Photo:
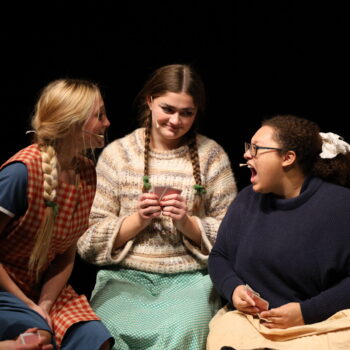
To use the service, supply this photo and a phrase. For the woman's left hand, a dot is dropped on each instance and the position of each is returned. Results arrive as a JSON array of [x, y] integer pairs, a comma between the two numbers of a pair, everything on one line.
[[44, 311], [175, 207], [285, 316]]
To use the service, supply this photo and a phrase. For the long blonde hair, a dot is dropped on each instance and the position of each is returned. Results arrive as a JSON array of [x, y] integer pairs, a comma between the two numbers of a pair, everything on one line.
[[64, 105]]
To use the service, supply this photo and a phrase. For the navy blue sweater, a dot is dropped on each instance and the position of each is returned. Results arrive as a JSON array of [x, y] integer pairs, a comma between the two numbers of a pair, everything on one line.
[[288, 250]]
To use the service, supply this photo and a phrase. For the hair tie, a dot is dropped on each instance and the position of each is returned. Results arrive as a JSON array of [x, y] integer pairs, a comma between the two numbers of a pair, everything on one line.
[[146, 183], [199, 189], [332, 145], [53, 205]]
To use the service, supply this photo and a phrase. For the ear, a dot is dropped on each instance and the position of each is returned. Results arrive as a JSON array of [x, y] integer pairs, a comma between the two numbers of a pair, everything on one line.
[[149, 101], [289, 158]]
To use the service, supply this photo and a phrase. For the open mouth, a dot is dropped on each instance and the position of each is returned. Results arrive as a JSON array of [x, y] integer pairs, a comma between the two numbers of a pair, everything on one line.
[[253, 174]]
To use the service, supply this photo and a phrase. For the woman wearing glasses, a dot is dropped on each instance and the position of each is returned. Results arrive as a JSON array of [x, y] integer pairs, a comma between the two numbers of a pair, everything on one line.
[[286, 237]]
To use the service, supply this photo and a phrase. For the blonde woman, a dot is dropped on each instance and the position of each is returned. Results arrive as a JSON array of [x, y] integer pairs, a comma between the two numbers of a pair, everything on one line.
[[46, 192], [156, 293]]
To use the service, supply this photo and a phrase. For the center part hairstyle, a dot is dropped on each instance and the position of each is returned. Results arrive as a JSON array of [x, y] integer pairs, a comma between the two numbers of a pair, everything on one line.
[[60, 112], [176, 78], [303, 137]]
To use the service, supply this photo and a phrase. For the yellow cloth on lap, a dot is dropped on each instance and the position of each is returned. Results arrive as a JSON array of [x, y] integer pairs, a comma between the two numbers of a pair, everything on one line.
[[242, 331]]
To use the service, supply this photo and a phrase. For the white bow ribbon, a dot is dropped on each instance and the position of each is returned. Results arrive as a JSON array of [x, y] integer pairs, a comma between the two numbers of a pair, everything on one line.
[[332, 145]]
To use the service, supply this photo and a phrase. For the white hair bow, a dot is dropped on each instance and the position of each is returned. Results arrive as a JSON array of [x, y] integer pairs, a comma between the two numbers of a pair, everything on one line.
[[332, 145]]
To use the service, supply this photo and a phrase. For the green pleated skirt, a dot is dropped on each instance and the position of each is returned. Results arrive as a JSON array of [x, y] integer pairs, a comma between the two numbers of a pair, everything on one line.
[[155, 311]]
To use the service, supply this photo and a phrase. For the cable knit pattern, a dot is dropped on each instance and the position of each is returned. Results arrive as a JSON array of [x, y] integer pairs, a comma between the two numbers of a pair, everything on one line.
[[160, 247]]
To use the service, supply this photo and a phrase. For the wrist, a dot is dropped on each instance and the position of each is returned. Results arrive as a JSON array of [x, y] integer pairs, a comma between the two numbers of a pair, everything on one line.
[[141, 221], [183, 223], [45, 305]]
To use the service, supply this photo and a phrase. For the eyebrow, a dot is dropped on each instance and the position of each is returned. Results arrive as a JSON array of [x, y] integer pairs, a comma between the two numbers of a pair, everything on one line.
[[163, 104]]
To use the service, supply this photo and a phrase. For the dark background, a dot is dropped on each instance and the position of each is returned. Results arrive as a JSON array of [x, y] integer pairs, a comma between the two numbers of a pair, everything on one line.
[[257, 59]]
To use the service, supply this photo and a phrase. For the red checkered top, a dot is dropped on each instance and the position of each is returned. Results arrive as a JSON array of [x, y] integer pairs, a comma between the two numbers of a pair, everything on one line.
[[17, 239]]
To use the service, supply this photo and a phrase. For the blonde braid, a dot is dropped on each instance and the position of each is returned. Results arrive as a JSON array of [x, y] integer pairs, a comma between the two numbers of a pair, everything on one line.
[[49, 166], [43, 237], [146, 183], [200, 190]]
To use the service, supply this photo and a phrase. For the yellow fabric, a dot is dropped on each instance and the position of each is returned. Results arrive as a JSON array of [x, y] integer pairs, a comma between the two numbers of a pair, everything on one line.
[[241, 331]]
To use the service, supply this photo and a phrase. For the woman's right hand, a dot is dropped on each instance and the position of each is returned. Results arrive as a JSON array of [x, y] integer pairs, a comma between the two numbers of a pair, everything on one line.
[[36, 346], [14, 345], [243, 302], [148, 206], [17, 344]]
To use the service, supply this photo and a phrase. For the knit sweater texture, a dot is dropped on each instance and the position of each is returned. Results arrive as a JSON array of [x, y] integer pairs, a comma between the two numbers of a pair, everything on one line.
[[160, 247], [288, 250]]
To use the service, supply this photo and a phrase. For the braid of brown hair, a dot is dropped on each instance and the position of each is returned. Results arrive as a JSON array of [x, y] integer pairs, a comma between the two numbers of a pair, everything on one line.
[[146, 183], [198, 187]]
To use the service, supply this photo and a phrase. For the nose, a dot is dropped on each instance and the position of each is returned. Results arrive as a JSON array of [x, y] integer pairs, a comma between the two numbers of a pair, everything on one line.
[[106, 122], [175, 118], [247, 154]]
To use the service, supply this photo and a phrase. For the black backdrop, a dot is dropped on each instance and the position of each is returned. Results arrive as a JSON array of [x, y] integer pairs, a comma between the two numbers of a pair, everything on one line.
[[256, 59]]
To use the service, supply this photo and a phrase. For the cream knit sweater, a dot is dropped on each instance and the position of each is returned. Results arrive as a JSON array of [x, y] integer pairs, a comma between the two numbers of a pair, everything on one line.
[[160, 247]]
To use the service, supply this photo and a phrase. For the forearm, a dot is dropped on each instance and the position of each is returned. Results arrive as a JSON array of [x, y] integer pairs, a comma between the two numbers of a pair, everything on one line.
[[131, 227], [189, 227], [7, 284], [327, 303], [221, 273], [55, 278]]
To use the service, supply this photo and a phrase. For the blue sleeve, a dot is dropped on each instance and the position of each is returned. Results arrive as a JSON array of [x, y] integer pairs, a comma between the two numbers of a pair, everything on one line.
[[13, 189]]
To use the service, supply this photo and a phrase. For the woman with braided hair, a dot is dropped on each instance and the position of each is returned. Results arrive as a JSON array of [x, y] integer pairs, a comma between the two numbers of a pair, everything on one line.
[[46, 192], [153, 291]]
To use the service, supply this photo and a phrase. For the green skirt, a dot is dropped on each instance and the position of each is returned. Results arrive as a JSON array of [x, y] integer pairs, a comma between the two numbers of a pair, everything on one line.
[[155, 311]]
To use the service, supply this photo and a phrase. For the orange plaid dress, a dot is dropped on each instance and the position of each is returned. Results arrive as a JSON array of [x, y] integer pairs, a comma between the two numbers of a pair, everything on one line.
[[17, 240]]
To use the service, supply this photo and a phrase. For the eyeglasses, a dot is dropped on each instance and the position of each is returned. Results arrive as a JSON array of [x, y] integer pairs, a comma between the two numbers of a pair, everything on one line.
[[253, 149]]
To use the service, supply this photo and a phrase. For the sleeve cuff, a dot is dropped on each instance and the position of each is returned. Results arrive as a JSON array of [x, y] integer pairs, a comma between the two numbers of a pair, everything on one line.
[[7, 212]]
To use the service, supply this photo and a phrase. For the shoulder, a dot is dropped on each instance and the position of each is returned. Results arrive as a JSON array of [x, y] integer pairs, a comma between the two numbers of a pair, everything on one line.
[[122, 150], [210, 149], [14, 172], [28, 155], [205, 142], [334, 192], [132, 139], [13, 188]]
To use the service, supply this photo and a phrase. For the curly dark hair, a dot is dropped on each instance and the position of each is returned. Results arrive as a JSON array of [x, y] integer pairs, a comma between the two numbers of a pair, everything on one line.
[[302, 136]]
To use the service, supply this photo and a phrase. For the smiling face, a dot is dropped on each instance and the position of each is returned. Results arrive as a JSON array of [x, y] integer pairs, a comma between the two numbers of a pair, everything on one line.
[[173, 115], [95, 126], [267, 166]]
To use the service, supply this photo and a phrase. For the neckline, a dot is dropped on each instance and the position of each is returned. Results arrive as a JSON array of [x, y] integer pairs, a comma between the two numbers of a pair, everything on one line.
[[310, 186], [156, 153]]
